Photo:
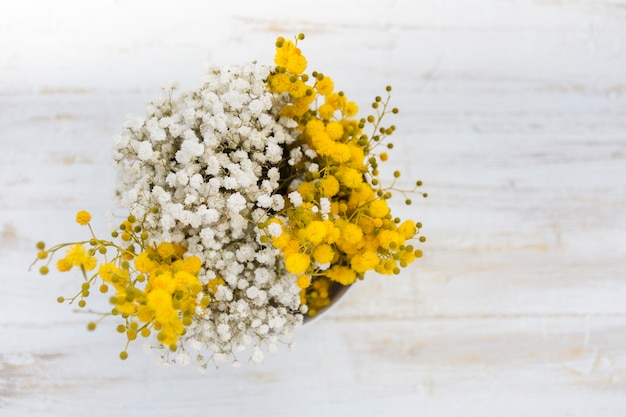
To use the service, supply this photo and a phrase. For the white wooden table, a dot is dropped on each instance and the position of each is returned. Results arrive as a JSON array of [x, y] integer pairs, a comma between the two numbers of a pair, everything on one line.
[[513, 113]]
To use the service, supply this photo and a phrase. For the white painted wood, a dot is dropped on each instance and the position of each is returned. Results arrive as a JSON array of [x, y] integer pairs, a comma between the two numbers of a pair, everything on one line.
[[513, 113]]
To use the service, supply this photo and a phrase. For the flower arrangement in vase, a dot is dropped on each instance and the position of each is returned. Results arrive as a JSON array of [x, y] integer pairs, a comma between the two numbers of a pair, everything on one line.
[[251, 199]]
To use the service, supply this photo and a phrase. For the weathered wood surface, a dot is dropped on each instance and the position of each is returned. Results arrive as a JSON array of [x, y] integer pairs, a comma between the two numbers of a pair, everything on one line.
[[513, 113]]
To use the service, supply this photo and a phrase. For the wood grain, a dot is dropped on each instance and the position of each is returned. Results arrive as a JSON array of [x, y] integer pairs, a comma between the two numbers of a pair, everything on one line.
[[513, 113]]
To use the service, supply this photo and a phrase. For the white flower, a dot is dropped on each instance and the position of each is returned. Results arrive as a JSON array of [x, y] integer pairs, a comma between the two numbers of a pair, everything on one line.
[[236, 202], [275, 229], [144, 151], [295, 198]]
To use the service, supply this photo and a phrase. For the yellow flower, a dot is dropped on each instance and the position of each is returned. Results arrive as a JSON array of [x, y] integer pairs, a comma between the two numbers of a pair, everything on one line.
[[281, 241], [349, 177], [63, 265], [323, 144], [297, 263], [77, 255], [143, 263], [351, 233], [314, 127], [160, 301], [290, 57], [323, 254], [341, 274], [166, 250], [326, 111], [192, 265], [325, 86], [330, 186], [407, 229], [297, 89], [304, 281], [334, 130], [357, 155], [390, 239], [341, 153], [351, 109], [332, 232], [162, 280], [315, 232], [365, 261], [107, 271], [336, 101], [378, 208], [279, 83], [83, 217], [307, 190]]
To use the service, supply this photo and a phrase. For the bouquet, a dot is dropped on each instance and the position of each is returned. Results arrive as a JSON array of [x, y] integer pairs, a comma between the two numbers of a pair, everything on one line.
[[249, 200]]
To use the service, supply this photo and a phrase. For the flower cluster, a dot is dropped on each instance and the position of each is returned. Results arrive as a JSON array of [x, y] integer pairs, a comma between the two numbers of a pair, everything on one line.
[[155, 288], [258, 194]]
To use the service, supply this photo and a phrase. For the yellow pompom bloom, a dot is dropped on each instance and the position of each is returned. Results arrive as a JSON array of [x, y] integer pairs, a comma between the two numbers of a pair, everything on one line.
[[297, 89], [390, 239], [160, 301], [279, 83], [323, 254], [290, 57], [334, 130], [332, 232], [83, 217], [366, 224], [378, 208], [323, 144], [365, 261], [351, 109], [360, 196], [315, 232], [349, 177], [341, 153], [341, 274], [357, 155], [304, 281], [165, 250], [297, 263], [281, 241], [143, 263], [77, 255], [407, 229], [325, 86], [107, 271], [63, 265], [326, 111], [192, 264], [314, 127], [336, 101], [330, 186], [307, 190], [163, 280], [90, 264], [351, 233]]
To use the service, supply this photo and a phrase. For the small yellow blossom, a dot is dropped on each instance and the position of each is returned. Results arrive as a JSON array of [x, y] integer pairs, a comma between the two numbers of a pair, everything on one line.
[[83, 217], [341, 274], [334, 130], [304, 281], [330, 186], [63, 265], [325, 86], [365, 261], [297, 263], [323, 254]]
